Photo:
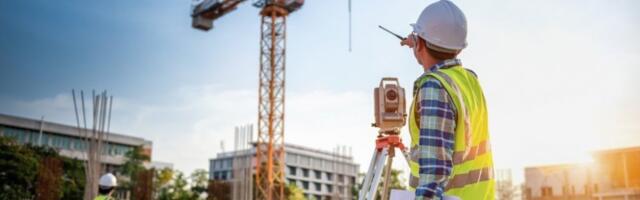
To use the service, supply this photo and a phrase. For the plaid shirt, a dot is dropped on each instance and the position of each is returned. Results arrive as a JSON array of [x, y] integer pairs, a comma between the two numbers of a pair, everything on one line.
[[437, 127]]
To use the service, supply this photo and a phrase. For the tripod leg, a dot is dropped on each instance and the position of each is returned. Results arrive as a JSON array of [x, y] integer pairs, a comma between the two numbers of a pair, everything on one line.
[[387, 178], [366, 182], [379, 165]]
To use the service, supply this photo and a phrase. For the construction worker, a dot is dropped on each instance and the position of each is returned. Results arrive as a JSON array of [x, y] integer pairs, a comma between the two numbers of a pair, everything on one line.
[[450, 152], [106, 186]]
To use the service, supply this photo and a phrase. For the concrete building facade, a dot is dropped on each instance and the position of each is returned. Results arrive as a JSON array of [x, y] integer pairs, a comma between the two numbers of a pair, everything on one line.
[[615, 175], [321, 174], [68, 140]]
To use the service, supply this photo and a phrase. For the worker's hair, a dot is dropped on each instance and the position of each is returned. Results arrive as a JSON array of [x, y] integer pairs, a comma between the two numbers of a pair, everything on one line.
[[105, 190], [438, 55]]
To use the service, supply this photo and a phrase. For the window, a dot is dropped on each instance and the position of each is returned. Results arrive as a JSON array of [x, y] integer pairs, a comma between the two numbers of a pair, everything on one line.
[[305, 172], [291, 181], [546, 191], [305, 185], [318, 174], [329, 188], [573, 190], [291, 158], [223, 176], [229, 164], [216, 175], [527, 193], [340, 178], [587, 190], [292, 170], [317, 186], [329, 176], [304, 160]]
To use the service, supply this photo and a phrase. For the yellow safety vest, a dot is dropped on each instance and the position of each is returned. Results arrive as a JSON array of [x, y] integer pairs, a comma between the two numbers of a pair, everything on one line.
[[472, 173], [102, 197]]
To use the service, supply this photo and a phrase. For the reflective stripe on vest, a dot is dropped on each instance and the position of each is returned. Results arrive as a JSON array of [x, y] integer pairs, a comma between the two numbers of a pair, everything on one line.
[[472, 173]]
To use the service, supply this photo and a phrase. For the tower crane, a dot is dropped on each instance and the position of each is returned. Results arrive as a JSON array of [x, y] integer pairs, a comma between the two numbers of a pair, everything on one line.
[[270, 141]]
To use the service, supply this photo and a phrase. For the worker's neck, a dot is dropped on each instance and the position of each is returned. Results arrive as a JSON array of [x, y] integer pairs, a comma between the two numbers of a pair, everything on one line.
[[428, 62]]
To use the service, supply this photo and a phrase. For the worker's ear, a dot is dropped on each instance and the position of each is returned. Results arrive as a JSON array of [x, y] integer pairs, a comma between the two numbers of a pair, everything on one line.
[[419, 44]]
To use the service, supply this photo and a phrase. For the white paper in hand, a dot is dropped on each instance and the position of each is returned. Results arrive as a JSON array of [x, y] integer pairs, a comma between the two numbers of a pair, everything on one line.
[[408, 195], [402, 195]]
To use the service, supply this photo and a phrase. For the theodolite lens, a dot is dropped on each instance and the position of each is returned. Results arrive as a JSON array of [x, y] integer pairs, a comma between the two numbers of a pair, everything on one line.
[[392, 95]]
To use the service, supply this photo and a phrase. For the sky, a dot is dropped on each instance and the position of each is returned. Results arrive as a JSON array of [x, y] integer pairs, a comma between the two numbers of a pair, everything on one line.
[[559, 76]]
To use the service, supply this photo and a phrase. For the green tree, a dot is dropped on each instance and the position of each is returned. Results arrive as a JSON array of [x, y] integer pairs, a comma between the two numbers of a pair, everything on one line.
[[164, 176], [131, 167], [396, 182], [294, 192], [162, 181], [18, 170], [73, 179], [199, 179], [21, 166], [179, 188], [134, 162]]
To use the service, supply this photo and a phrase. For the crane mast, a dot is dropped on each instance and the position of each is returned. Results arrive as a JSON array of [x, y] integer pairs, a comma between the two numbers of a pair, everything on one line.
[[270, 146]]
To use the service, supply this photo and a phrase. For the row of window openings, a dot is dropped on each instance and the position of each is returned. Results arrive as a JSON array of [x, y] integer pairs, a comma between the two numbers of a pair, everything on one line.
[[308, 161], [58, 141], [317, 186], [548, 191], [218, 164], [222, 175], [317, 173]]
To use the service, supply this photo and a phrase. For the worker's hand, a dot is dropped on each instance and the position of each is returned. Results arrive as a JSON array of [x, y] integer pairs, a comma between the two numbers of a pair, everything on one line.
[[409, 41]]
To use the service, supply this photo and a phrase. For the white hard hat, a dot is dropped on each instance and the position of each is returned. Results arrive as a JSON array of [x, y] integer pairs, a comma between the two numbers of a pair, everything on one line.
[[108, 180], [444, 25]]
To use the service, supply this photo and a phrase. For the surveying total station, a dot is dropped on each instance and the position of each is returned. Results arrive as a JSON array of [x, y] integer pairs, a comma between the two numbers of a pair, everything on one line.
[[390, 117]]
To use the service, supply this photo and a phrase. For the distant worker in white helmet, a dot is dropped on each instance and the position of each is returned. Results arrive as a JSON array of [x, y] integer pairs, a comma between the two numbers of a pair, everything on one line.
[[106, 186], [450, 151]]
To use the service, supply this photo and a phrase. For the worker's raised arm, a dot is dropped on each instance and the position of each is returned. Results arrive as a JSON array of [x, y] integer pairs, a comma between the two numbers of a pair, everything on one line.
[[437, 128]]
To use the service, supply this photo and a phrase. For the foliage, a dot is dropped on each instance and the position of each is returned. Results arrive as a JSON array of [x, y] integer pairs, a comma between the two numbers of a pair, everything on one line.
[[219, 190], [179, 188], [396, 183], [48, 185], [18, 170], [143, 188], [73, 179], [163, 176], [131, 168], [294, 192], [22, 167], [199, 179], [133, 165]]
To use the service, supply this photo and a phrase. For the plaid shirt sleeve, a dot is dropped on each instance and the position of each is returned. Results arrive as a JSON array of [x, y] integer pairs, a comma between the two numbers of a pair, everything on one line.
[[437, 128]]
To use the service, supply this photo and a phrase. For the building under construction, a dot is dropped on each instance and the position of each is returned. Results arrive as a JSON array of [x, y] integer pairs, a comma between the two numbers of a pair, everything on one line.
[[615, 174], [321, 174]]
